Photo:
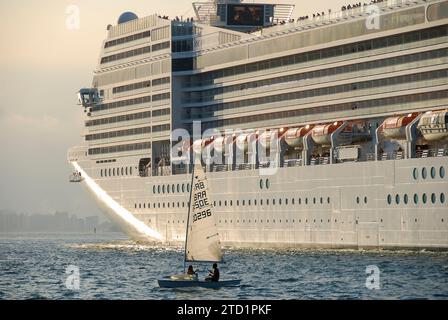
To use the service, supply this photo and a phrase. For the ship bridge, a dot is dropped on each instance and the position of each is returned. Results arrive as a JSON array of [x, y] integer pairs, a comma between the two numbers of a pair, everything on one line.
[[239, 16]]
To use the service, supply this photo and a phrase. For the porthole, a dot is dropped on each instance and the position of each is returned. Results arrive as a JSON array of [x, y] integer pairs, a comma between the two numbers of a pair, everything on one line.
[[300, 200], [163, 189], [273, 202], [328, 200], [424, 198], [424, 173], [433, 198], [267, 184], [397, 199], [113, 172], [261, 183], [255, 202], [433, 172], [321, 200], [168, 188], [130, 171], [442, 172], [183, 187], [178, 188], [139, 205], [415, 198], [101, 172], [126, 170], [231, 203], [122, 171], [365, 200], [442, 198], [280, 202], [110, 172], [248, 202], [389, 199], [237, 203], [158, 189], [306, 200], [286, 201], [314, 200], [118, 172], [415, 174], [405, 199], [267, 202], [244, 202], [188, 187], [173, 188], [144, 206], [357, 200]]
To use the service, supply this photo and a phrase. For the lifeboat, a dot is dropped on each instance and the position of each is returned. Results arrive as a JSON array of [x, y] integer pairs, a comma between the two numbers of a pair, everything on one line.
[[395, 127], [218, 145], [294, 136], [265, 139], [242, 141], [321, 134], [434, 125], [201, 144]]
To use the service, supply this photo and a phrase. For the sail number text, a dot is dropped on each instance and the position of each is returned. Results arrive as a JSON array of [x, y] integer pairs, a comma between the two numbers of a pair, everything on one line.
[[200, 201], [202, 215]]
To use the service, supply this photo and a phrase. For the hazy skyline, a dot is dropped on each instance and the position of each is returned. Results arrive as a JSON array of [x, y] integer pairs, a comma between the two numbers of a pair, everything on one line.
[[43, 65]]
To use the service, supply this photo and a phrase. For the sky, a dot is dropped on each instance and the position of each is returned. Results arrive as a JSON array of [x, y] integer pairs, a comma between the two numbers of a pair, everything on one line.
[[44, 61]]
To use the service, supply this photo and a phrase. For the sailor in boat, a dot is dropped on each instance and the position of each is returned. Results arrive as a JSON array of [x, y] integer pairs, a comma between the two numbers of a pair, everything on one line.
[[214, 274], [191, 272]]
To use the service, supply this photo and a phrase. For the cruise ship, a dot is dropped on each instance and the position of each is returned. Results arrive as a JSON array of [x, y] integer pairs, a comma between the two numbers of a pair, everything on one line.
[[326, 130]]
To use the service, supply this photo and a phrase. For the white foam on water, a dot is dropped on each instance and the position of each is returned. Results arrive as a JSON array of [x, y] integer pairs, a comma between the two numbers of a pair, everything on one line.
[[124, 214]]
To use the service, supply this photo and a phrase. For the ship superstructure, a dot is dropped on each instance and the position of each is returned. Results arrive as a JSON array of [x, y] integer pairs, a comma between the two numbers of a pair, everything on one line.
[[329, 131]]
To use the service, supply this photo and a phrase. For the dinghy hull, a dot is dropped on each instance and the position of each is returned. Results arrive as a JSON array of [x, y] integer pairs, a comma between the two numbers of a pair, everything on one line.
[[167, 283]]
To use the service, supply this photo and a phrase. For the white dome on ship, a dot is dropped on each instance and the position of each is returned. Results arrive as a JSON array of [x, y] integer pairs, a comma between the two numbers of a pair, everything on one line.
[[126, 17]]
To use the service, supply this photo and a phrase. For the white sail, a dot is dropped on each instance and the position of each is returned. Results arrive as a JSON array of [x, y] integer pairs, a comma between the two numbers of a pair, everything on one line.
[[202, 239]]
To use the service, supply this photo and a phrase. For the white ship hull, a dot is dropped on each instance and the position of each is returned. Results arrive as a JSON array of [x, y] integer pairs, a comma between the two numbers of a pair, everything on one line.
[[325, 212]]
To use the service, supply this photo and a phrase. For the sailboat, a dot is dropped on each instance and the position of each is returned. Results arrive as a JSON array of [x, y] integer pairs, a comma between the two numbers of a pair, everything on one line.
[[202, 244]]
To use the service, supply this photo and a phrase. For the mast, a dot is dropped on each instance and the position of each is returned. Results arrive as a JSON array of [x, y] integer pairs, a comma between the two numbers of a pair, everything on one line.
[[188, 216]]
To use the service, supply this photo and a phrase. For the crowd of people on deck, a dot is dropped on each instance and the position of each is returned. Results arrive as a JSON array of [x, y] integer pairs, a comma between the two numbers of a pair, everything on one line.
[[188, 20], [359, 5]]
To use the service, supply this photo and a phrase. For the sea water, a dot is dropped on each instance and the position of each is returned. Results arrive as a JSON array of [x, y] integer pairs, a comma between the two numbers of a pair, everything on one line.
[[109, 266]]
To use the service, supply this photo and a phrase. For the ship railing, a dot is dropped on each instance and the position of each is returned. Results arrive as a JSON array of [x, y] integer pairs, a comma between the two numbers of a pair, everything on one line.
[[319, 161], [293, 162], [219, 167], [352, 13], [396, 155], [243, 166], [429, 153], [265, 164]]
